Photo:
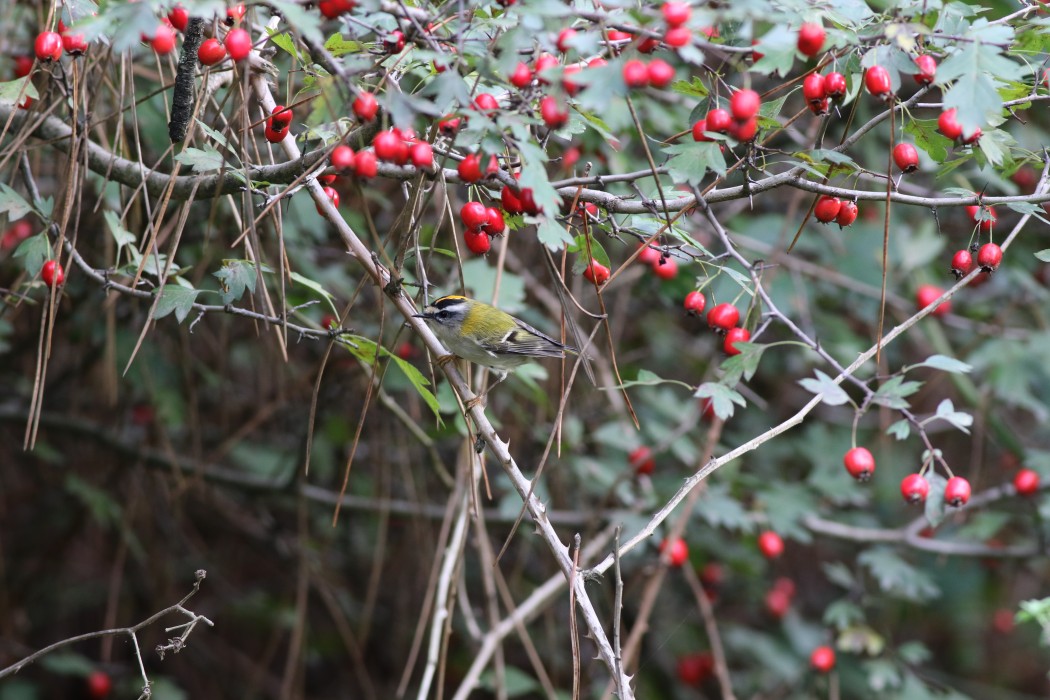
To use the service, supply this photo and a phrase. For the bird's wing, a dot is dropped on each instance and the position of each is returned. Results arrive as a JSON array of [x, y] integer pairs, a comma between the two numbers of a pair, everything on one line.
[[526, 340]]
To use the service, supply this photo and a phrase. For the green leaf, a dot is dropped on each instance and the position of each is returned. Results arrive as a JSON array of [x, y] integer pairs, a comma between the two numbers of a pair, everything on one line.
[[829, 156], [552, 233], [1043, 255], [893, 391], [585, 245], [234, 277], [201, 160], [690, 161], [36, 250], [744, 364], [515, 682], [897, 577], [12, 203], [946, 412], [777, 47], [176, 298], [284, 41], [841, 614], [647, 378], [944, 363], [830, 392], [839, 574], [722, 398], [694, 88], [365, 351], [68, 663], [213, 134], [926, 136], [120, 234], [935, 508], [316, 287], [719, 509], [10, 90], [900, 430]]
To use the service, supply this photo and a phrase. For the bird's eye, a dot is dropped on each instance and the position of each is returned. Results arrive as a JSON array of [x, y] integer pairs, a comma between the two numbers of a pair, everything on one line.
[[443, 314]]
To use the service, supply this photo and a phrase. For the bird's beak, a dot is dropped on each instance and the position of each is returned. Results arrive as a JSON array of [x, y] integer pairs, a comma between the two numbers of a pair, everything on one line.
[[423, 316]]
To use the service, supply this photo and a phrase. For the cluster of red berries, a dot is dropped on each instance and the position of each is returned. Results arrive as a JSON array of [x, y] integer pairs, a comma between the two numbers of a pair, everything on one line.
[[740, 121], [818, 89], [842, 212], [722, 318], [915, 488], [663, 266], [480, 223], [277, 124]]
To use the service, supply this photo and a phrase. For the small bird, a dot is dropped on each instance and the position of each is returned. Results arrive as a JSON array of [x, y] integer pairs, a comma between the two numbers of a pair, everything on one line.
[[482, 334]]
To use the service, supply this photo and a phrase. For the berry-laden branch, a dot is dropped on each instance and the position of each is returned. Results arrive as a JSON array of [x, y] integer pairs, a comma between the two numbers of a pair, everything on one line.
[[174, 645], [537, 510]]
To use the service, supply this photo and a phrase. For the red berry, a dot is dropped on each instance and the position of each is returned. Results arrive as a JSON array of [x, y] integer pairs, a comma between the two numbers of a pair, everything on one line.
[[987, 221], [877, 81], [770, 544], [827, 208], [469, 168], [554, 115], [48, 46], [698, 131], [510, 200], [822, 659], [661, 73], [678, 552], [906, 157], [597, 62], [99, 685], [52, 274], [962, 263], [333, 197], [23, 66], [473, 215], [494, 223], [211, 51], [957, 491], [860, 463], [694, 669], [565, 36], [234, 13], [74, 44], [342, 158], [677, 37], [238, 44], [521, 77], [1026, 481], [695, 303], [972, 138], [422, 155], [15, 234], [545, 62], [927, 294], [785, 585], [719, 120], [927, 69], [365, 106], [989, 257], [478, 242], [847, 214], [486, 102], [641, 460], [819, 107], [596, 272], [734, 336], [571, 86], [810, 39], [635, 74], [723, 317], [333, 8], [835, 85], [273, 134], [450, 126], [948, 124], [648, 255], [648, 45], [326, 180], [163, 41], [813, 88], [744, 104], [366, 164], [744, 131], [915, 488], [281, 117], [777, 602], [387, 145], [394, 42], [665, 268], [675, 13], [179, 17]]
